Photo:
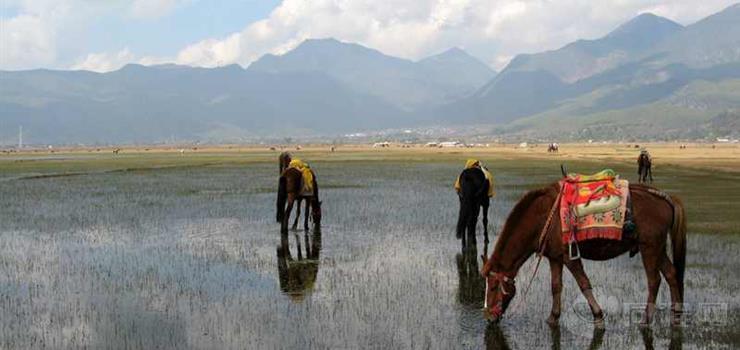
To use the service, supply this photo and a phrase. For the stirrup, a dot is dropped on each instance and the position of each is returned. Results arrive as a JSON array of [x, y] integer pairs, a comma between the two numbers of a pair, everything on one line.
[[570, 251]]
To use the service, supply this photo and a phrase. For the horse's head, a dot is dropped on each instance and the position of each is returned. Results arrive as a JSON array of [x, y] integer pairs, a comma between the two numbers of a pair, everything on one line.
[[500, 290], [316, 212]]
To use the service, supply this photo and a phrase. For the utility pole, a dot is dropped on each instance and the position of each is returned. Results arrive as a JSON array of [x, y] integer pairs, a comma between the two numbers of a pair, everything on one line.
[[20, 137]]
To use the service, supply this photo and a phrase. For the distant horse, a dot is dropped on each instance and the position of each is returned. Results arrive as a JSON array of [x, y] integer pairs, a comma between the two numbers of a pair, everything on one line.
[[655, 215], [553, 148], [283, 160], [290, 191], [473, 195], [644, 168]]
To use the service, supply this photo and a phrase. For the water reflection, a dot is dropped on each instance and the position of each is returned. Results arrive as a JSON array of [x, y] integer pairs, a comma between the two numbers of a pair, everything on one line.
[[297, 274], [676, 341], [495, 338], [471, 285]]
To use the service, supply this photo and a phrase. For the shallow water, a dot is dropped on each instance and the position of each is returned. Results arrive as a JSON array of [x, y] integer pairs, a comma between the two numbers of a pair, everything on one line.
[[192, 258]]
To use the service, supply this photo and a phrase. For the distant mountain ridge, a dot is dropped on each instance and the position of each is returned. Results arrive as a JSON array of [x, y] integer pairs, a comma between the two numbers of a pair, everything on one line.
[[323, 86], [406, 84], [643, 63]]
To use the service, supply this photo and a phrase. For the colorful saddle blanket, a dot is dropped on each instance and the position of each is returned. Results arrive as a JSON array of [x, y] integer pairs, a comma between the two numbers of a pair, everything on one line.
[[307, 176], [593, 206]]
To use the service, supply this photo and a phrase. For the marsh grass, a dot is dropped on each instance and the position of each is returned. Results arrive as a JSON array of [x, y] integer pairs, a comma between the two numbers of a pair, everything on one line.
[[185, 257]]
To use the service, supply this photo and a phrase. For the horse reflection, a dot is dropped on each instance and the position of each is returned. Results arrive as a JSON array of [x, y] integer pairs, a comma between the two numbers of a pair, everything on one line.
[[495, 338], [297, 274], [471, 285], [676, 341]]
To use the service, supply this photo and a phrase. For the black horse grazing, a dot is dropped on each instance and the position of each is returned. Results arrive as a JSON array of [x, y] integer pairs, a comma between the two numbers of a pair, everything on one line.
[[644, 168], [473, 195]]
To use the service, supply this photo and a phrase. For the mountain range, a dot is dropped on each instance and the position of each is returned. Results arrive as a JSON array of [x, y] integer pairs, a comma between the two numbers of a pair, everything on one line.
[[648, 78]]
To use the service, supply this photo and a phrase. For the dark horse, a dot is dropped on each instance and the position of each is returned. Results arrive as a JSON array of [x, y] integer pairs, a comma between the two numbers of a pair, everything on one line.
[[290, 190], [473, 195], [644, 168], [655, 215]]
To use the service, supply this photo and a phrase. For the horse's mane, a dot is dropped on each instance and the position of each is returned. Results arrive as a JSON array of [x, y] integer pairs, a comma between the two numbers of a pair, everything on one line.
[[517, 213]]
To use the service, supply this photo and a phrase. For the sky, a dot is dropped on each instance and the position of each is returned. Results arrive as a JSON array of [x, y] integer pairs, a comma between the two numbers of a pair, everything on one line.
[[103, 35]]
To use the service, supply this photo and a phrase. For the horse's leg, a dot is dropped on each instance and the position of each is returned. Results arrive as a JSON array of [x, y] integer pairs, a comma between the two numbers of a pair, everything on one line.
[[669, 273], [308, 213], [651, 261], [576, 269], [486, 204], [297, 213], [288, 210], [461, 221], [556, 282], [473, 222], [650, 173]]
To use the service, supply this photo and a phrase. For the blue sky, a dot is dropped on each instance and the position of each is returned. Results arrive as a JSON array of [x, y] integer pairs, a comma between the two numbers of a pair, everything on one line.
[[103, 35], [184, 25]]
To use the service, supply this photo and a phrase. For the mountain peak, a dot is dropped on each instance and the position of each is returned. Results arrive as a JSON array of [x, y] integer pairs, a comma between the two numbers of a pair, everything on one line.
[[325, 44], [453, 54], [454, 51], [645, 23]]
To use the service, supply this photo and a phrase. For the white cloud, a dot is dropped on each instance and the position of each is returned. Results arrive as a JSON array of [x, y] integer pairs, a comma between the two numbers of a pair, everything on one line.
[[41, 29], [492, 30], [25, 41], [109, 61], [105, 62]]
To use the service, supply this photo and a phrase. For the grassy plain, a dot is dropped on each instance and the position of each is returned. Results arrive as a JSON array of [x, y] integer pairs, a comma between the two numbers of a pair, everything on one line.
[[705, 176]]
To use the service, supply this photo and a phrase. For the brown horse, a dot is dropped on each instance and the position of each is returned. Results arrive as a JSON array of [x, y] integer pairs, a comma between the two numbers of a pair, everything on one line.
[[290, 191], [655, 214]]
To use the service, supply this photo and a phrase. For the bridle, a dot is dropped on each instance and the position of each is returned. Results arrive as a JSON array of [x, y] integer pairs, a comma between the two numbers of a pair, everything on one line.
[[503, 279]]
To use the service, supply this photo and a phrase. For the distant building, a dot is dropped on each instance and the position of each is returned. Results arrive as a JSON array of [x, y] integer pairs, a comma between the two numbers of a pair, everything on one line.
[[450, 144]]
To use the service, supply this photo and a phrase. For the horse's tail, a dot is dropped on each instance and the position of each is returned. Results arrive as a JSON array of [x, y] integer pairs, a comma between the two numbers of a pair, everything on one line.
[[678, 241], [315, 186], [282, 197]]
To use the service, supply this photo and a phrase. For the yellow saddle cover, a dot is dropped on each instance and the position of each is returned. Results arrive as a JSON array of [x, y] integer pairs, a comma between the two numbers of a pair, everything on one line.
[[470, 163], [306, 173]]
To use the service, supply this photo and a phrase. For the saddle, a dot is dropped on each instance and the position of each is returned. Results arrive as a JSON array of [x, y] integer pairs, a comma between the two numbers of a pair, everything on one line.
[[470, 163], [306, 176], [593, 206]]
